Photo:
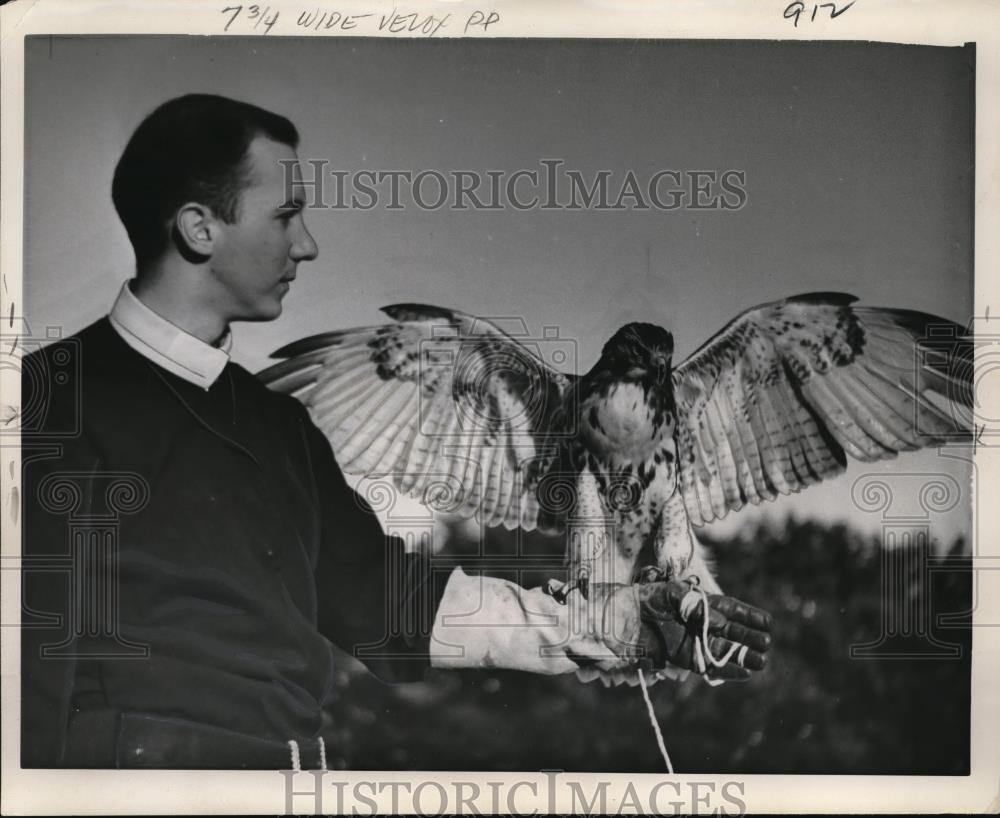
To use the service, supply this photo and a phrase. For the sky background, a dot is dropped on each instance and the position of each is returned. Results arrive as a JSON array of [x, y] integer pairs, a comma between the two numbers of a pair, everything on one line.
[[858, 160]]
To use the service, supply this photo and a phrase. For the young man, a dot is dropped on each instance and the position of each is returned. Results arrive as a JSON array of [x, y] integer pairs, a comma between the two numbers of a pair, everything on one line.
[[216, 548]]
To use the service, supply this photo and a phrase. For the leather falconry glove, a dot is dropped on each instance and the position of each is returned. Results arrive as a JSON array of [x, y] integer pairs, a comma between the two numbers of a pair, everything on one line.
[[655, 623], [672, 616]]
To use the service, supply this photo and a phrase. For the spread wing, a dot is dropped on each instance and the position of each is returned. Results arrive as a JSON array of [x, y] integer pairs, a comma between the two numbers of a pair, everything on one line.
[[458, 413], [774, 401]]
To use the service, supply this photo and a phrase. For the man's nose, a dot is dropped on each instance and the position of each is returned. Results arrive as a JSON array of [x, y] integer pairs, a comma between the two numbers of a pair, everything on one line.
[[304, 248]]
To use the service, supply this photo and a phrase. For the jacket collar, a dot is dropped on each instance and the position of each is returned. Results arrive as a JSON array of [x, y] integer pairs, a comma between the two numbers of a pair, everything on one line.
[[166, 344]]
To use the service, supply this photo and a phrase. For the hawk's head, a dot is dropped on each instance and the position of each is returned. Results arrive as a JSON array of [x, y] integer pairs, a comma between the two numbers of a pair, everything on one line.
[[640, 351]]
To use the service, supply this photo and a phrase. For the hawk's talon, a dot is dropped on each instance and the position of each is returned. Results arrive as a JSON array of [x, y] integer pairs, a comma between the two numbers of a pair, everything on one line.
[[557, 590], [652, 573], [560, 590]]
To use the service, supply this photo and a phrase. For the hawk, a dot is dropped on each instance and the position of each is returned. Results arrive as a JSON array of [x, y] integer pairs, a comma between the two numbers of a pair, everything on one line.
[[631, 457]]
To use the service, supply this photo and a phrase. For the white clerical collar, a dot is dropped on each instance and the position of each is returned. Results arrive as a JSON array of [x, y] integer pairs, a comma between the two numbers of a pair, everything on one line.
[[166, 344]]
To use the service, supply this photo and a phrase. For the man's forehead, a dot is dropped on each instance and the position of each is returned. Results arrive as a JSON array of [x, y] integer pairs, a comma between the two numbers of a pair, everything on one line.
[[272, 163]]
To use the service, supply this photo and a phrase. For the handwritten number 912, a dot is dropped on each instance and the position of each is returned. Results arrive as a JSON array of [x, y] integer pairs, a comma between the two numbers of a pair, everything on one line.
[[793, 11], [254, 14]]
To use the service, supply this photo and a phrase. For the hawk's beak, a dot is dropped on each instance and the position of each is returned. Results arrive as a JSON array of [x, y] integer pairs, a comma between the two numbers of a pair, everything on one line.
[[662, 364]]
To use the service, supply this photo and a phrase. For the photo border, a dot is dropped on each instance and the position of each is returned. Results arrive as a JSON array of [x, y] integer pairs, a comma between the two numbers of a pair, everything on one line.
[[136, 792]]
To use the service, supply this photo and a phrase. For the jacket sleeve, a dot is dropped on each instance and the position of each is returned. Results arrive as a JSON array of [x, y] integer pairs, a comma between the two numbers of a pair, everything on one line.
[[374, 600]]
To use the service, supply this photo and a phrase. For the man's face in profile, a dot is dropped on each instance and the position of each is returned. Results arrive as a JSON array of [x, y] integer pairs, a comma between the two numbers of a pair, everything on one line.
[[255, 258]]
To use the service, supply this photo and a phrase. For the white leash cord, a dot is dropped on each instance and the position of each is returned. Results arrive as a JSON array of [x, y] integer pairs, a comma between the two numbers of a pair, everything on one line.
[[696, 596], [655, 723]]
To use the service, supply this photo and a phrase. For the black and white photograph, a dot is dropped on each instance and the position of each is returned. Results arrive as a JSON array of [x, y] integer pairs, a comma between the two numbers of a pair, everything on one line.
[[397, 400]]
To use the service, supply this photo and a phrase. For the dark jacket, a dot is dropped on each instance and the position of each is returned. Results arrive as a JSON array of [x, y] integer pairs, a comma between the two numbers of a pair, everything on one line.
[[187, 554]]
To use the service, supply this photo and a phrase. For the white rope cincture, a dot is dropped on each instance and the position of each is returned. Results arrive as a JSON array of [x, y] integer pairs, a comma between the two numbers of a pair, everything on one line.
[[322, 753], [293, 746]]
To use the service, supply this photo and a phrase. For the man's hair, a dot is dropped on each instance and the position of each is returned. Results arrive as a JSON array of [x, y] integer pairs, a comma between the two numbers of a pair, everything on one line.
[[190, 149]]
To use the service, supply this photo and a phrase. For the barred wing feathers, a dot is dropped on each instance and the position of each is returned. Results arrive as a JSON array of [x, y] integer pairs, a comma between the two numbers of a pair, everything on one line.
[[457, 412], [776, 400]]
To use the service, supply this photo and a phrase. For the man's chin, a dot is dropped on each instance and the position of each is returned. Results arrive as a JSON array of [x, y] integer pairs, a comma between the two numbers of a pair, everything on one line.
[[264, 313]]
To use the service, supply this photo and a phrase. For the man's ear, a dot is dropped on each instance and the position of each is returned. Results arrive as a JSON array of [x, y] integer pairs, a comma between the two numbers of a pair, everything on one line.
[[196, 228]]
